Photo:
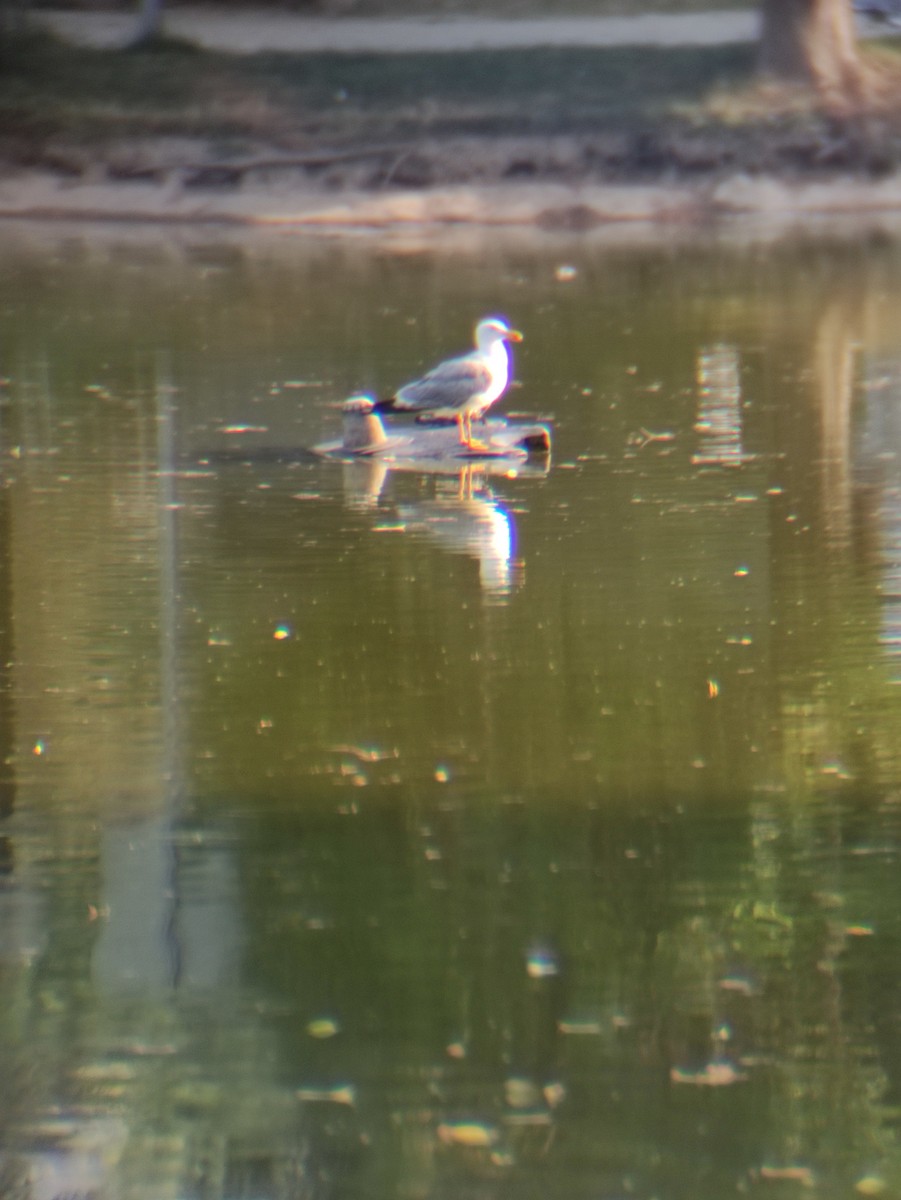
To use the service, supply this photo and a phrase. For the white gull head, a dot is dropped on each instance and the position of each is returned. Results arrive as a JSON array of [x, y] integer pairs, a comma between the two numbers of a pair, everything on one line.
[[493, 330]]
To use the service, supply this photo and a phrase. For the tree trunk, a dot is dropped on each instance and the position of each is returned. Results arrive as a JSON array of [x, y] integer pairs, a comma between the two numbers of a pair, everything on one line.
[[149, 26], [813, 42]]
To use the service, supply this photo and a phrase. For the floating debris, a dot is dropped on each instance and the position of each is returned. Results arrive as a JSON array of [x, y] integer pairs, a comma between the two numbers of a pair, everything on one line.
[[108, 1072], [530, 1118], [542, 963], [715, 1074], [282, 632], [369, 754], [197, 1094], [644, 437], [735, 983], [770, 915], [150, 1049], [469, 1134], [344, 1094], [870, 1185], [521, 1093], [580, 1028], [323, 1027], [802, 1175]]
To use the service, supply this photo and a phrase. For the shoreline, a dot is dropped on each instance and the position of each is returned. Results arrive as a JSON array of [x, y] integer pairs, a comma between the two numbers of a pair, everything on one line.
[[546, 207]]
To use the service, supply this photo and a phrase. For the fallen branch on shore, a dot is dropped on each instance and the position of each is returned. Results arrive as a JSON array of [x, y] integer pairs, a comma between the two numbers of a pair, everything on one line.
[[202, 174]]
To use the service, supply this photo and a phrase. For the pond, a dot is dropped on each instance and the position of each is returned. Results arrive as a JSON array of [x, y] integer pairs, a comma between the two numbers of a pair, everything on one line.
[[372, 833]]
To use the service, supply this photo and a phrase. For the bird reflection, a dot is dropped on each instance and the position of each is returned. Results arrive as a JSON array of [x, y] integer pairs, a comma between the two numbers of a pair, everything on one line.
[[477, 526], [364, 482], [463, 516]]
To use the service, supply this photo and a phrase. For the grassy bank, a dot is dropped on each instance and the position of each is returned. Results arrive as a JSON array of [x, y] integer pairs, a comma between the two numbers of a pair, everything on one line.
[[568, 113]]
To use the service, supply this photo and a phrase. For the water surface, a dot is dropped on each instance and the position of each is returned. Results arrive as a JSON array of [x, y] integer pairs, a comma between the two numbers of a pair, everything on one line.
[[392, 834]]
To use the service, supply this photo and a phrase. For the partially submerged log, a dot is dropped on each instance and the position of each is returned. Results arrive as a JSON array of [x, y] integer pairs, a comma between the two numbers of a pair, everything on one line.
[[434, 445]]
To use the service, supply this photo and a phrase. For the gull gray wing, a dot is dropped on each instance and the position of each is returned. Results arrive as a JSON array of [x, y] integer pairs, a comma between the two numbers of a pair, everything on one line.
[[449, 385]]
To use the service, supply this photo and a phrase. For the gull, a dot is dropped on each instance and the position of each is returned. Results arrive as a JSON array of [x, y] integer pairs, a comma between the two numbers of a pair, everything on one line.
[[463, 388]]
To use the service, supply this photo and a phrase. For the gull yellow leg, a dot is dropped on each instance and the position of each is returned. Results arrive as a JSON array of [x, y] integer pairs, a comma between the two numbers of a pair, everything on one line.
[[464, 425], [474, 443]]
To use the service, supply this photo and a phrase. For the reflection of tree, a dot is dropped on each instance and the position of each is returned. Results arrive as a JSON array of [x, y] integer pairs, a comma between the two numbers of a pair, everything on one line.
[[833, 359], [7, 645], [812, 340], [103, 923], [148, 27]]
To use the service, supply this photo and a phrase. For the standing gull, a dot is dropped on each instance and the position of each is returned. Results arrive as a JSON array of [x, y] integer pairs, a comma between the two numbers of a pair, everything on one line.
[[463, 388]]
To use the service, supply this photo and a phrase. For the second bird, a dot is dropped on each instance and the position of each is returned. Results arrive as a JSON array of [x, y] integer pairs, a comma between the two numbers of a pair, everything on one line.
[[463, 388]]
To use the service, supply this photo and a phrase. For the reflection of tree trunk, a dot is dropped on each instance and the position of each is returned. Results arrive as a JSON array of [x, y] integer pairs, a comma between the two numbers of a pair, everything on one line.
[[813, 42], [833, 377], [7, 708]]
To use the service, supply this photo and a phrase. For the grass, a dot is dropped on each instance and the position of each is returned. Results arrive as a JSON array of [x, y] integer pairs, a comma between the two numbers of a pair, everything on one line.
[[639, 111], [89, 93]]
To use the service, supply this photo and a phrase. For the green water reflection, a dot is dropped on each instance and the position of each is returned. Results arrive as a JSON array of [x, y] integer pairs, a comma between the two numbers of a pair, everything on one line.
[[446, 837]]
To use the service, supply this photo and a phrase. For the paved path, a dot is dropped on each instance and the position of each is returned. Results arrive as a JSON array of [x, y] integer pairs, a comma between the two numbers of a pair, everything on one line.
[[253, 30]]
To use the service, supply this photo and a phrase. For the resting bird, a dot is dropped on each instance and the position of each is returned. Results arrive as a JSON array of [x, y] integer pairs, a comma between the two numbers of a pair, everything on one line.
[[888, 11], [463, 388]]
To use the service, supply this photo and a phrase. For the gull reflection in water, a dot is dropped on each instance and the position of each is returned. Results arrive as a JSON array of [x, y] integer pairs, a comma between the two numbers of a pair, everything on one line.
[[463, 516], [477, 526]]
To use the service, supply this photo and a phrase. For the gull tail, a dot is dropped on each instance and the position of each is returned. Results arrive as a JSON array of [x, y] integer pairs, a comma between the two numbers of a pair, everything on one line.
[[396, 404]]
